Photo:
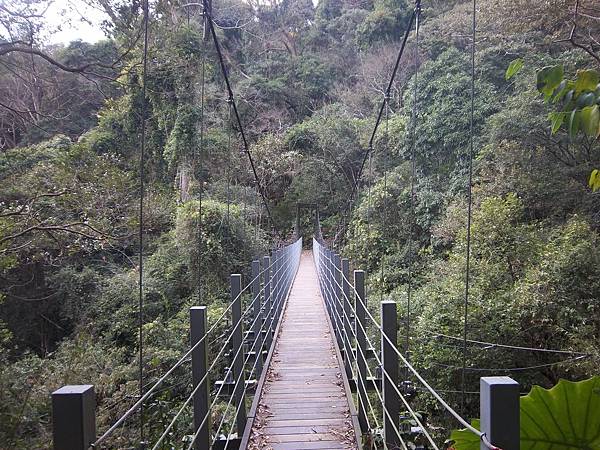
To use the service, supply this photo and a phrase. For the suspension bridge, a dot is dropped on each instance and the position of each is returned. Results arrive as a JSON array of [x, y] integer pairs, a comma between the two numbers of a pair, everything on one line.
[[302, 371], [304, 364]]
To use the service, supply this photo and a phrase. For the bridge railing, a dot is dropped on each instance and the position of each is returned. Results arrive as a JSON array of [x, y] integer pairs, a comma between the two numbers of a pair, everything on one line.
[[352, 322], [245, 345]]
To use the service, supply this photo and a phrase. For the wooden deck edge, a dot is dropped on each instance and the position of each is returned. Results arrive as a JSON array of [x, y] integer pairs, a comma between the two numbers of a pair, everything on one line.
[[351, 407], [261, 381]]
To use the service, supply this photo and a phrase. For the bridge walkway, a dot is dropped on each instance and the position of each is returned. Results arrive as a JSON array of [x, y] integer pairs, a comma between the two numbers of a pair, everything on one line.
[[303, 396]]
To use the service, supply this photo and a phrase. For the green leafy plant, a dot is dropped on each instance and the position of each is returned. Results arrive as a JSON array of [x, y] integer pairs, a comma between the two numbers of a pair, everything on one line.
[[564, 417], [579, 104]]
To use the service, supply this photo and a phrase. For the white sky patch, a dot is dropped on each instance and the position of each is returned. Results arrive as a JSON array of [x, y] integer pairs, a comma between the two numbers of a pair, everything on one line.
[[70, 20]]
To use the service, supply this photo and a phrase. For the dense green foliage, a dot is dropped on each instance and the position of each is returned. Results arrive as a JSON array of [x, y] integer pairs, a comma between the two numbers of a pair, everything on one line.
[[308, 81]]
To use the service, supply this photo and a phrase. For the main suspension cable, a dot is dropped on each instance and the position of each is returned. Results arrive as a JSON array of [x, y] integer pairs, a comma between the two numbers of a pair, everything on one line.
[[236, 113]]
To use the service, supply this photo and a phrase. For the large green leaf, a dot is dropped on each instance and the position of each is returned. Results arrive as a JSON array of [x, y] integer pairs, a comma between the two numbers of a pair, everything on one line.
[[590, 120], [548, 79], [513, 68], [566, 417], [562, 418], [465, 439], [587, 80], [594, 181]]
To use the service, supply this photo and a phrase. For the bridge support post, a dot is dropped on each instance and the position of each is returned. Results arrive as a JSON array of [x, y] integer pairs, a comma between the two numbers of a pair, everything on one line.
[[329, 265], [324, 268], [268, 311], [277, 286], [73, 417], [198, 327], [337, 277], [360, 303], [391, 400], [500, 408], [238, 348], [257, 318], [347, 335]]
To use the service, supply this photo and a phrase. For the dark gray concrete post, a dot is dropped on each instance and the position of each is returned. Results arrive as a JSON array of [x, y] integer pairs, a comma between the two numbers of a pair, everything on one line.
[[391, 400], [257, 317], [360, 303], [347, 311], [73, 417], [500, 412], [267, 280], [198, 327], [237, 340]]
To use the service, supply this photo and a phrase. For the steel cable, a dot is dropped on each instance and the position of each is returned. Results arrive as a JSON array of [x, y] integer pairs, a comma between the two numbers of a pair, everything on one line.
[[211, 367], [401, 396], [422, 380]]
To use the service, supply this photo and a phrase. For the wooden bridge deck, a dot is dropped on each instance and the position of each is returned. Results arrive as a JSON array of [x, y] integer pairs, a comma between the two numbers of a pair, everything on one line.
[[303, 397]]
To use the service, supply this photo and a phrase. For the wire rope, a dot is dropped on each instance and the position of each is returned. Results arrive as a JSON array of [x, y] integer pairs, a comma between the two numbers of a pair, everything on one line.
[[235, 110], [379, 361], [413, 176], [420, 378], [182, 360], [208, 371], [142, 162], [469, 207], [273, 305]]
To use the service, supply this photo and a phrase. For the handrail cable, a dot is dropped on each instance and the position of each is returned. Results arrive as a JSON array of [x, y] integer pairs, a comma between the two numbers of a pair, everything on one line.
[[288, 279], [182, 360], [211, 367], [569, 360], [433, 392], [191, 445], [378, 360], [378, 392], [372, 411]]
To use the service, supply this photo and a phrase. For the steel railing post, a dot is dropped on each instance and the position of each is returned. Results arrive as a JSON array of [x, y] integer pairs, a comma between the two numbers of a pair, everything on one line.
[[278, 280], [348, 355], [391, 400], [201, 399], [339, 307], [257, 317], [328, 274], [238, 348], [73, 417], [500, 412], [360, 302], [267, 280]]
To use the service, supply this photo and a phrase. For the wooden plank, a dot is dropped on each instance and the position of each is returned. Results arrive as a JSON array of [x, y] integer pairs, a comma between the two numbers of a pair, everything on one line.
[[308, 445]]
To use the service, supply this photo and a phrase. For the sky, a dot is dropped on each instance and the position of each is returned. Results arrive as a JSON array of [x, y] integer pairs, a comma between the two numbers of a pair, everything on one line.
[[64, 16]]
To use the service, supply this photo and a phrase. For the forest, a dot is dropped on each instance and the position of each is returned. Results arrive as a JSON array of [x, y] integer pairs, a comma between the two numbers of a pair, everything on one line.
[[117, 173]]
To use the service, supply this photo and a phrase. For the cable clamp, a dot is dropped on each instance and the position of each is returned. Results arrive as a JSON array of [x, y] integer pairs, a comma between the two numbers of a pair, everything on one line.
[[230, 99]]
